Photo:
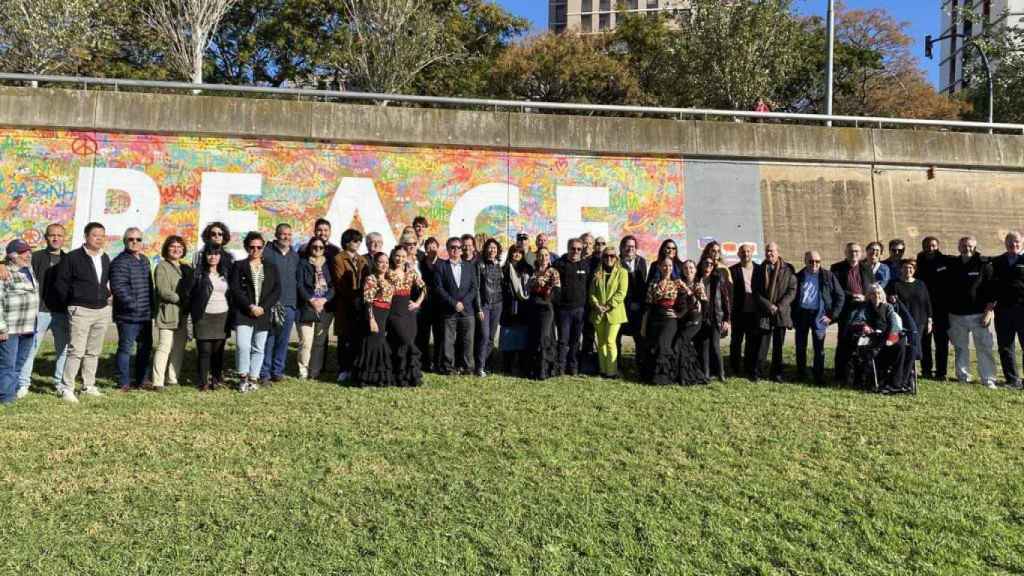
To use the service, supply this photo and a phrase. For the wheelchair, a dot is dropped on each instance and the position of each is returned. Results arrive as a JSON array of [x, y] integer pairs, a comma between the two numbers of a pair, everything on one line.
[[896, 376]]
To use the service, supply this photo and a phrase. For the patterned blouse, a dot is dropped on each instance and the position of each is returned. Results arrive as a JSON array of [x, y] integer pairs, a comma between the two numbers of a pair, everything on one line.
[[551, 281], [378, 292], [664, 292], [404, 281]]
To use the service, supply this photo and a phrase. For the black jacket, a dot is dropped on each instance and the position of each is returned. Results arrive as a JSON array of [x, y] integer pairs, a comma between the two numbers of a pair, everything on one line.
[[968, 285], [243, 294], [307, 289], [739, 289], [448, 293], [199, 296], [934, 272], [841, 271], [718, 307], [488, 282], [1007, 288], [46, 276], [513, 310], [637, 292], [830, 290], [76, 283]]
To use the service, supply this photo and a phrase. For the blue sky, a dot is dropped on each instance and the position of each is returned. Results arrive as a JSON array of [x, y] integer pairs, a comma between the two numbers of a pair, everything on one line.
[[922, 17]]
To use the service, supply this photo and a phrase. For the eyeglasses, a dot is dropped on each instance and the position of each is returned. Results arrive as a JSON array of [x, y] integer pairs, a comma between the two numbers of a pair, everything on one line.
[[216, 234], [455, 247], [133, 239], [576, 249], [320, 248], [254, 247], [610, 256], [673, 248]]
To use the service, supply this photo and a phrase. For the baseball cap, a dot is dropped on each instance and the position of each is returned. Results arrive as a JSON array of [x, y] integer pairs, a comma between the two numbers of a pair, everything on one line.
[[17, 247], [522, 236]]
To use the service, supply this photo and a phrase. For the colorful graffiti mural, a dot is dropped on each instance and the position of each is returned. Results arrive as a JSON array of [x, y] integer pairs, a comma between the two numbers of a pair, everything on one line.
[[175, 184]]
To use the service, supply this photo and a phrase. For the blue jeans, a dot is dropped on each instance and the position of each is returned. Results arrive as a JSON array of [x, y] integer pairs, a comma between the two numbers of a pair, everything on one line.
[[140, 336], [14, 352], [58, 323], [250, 346], [487, 329], [277, 346]]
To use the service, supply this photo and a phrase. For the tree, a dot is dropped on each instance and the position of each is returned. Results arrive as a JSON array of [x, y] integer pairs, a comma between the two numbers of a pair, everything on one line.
[[51, 36], [729, 54], [478, 31], [185, 28], [647, 46], [564, 68], [1005, 47], [390, 43]]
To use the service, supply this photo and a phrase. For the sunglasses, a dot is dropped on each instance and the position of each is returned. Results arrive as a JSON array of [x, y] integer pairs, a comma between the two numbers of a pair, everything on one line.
[[256, 247], [576, 249], [610, 256], [216, 234], [133, 239], [316, 248]]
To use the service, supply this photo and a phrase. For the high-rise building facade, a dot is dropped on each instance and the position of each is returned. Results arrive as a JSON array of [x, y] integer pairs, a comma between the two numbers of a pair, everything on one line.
[[967, 17], [591, 16]]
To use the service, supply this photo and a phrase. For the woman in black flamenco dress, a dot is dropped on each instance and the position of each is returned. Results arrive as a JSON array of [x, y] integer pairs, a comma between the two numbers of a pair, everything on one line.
[[372, 366], [689, 307], [401, 327], [542, 347]]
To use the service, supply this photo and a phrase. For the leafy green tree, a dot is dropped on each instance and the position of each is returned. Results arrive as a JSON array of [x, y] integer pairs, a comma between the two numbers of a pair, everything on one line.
[[564, 68]]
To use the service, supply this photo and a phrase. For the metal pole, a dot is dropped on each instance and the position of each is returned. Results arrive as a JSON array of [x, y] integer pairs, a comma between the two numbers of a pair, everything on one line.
[[831, 54]]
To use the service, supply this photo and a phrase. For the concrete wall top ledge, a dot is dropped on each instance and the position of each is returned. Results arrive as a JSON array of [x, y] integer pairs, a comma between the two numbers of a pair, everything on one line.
[[183, 114]]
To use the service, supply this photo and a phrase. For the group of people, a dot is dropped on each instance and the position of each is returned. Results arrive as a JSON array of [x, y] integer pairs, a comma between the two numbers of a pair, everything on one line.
[[397, 314]]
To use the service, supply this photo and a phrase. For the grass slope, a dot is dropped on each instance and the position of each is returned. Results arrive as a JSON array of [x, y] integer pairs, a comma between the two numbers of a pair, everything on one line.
[[509, 476]]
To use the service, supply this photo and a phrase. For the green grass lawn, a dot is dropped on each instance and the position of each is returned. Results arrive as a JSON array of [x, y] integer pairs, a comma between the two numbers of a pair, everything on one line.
[[509, 476]]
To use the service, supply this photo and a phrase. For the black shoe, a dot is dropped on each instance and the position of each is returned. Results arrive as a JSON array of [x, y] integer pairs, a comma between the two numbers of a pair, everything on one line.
[[778, 378]]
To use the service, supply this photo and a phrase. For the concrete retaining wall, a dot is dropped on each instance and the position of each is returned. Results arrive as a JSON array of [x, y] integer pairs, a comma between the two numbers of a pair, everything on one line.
[[172, 162]]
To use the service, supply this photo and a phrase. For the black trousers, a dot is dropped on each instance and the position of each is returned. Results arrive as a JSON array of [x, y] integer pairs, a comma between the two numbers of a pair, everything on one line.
[[424, 327], [570, 330], [803, 322], [211, 360], [743, 343], [773, 339], [460, 329], [708, 342], [935, 347], [1009, 331]]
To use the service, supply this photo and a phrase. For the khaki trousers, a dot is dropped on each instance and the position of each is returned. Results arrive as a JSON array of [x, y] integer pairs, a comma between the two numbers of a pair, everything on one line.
[[168, 355], [313, 345], [88, 329]]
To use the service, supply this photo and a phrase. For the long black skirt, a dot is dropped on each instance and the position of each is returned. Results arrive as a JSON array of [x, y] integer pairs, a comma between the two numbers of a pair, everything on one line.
[[660, 367], [541, 344], [688, 368], [372, 366], [401, 336]]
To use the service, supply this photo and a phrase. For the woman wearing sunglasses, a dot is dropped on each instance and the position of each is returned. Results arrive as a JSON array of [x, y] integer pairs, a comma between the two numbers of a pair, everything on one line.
[[254, 291], [608, 309]]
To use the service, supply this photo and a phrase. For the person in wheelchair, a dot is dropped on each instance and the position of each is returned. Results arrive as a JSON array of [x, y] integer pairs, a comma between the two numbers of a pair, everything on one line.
[[880, 343]]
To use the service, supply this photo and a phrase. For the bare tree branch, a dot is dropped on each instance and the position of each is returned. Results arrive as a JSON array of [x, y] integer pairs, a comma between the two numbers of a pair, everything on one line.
[[186, 27]]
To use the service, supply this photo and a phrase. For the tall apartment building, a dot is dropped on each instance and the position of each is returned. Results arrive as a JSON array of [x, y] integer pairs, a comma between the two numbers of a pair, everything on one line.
[[590, 16], [998, 12]]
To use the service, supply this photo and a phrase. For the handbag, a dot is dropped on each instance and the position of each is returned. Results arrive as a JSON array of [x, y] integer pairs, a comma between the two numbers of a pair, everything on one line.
[[277, 315]]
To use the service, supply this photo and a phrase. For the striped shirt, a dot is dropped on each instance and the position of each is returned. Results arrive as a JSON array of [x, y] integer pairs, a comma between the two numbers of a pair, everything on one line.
[[19, 303]]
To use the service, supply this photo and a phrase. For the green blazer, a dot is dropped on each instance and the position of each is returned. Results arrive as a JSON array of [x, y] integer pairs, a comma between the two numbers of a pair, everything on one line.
[[172, 287], [609, 289]]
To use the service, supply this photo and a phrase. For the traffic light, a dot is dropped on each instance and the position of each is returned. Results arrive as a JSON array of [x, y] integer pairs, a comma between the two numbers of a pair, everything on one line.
[[928, 46]]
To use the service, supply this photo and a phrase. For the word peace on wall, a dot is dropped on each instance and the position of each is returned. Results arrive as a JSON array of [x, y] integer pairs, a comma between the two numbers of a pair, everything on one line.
[[175, 185]]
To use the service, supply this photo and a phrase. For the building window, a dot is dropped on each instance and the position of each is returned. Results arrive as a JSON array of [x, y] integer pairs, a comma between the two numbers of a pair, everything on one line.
[[633, 4], [605, 21], [587, 6], [606, 5], [652, 4], [586, 23], [561, 16]]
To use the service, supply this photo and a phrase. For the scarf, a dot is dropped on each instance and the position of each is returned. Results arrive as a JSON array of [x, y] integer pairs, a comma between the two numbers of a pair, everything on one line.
[[517, 284]]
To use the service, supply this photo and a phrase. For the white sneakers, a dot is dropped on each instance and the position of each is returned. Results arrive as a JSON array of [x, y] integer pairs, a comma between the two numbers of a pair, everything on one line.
[[22, 392], [92, 391], [69, 397], [991, 385]]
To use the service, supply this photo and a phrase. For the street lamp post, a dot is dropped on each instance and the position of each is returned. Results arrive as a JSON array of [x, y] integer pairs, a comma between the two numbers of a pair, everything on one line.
[[969, 41], [831, 55]]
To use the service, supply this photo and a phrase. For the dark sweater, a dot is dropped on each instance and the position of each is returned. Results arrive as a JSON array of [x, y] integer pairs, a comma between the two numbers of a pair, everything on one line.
[[914, 295], [44, 266], [1007, 288], [574, 277], [76, 283], [967, 285]]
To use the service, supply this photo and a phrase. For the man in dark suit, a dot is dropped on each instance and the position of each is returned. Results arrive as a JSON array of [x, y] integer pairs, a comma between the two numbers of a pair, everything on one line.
[[854, 276], [744, 313], [774, 289], [636, 294], [1007, 290], [455, 287], [818, 303]]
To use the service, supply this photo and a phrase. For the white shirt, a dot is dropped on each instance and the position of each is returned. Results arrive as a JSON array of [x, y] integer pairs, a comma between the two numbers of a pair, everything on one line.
[[97, 263], [631, 264], [457, 272]]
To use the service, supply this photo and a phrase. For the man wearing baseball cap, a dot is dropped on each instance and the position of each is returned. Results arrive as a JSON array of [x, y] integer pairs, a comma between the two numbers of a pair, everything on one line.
[[19, 305]]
